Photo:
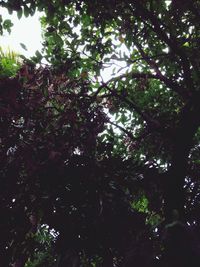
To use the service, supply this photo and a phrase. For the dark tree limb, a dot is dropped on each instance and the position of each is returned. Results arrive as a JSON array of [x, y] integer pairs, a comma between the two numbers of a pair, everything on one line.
[[189, 121]]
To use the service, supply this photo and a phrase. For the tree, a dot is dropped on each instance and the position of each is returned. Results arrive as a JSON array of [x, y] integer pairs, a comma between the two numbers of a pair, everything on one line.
[[111, 165]]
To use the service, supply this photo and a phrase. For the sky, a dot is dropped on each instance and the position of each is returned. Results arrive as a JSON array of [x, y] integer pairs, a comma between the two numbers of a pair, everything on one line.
[[26, 31]]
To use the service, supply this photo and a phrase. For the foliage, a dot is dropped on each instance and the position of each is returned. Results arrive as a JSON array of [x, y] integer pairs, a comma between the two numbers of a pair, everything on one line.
[[9, 63], [42, 255], [5, 25], [111, 164]]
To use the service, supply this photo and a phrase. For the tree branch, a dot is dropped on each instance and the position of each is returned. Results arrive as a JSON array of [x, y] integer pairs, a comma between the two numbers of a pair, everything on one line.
[[129, 134], [151, 122], [168, 82], [171, 42]]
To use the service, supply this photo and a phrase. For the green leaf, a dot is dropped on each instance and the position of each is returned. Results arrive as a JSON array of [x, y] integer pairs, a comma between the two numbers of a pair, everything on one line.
[[86, 20], [10, 11], [37, 58], [27, 11], [58, 39], [38, 55], [186, 44], [23, 46], [7, 24], [32, 10], [141, 204], [19, 13]]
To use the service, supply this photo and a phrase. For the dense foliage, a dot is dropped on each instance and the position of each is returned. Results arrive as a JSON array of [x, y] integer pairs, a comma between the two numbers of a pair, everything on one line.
[[9, 63], [98, 170]]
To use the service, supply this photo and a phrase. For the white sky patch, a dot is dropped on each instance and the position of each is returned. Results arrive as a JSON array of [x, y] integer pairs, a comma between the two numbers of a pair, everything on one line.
[[116, 66], [26, 30], [168, 3]]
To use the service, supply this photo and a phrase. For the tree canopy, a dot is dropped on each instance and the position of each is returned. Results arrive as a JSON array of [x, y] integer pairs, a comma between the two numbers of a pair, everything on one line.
[[96, 169]]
